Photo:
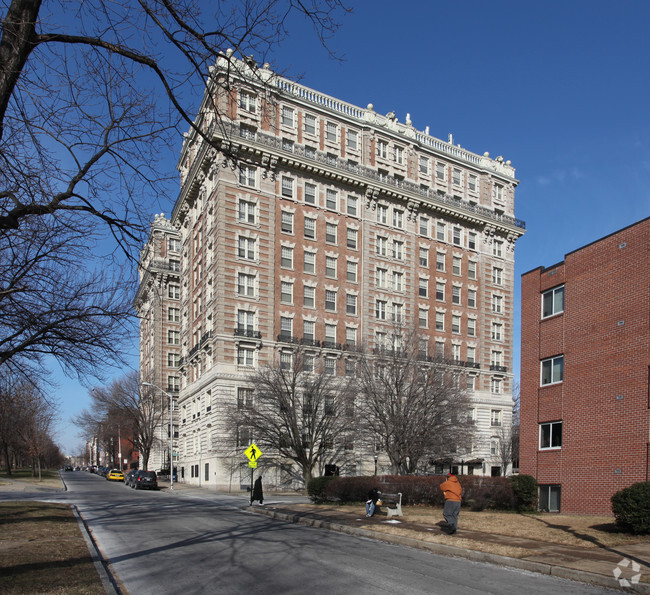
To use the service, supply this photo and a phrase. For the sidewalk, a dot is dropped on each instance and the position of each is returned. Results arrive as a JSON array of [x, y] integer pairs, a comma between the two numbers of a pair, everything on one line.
[[590, 565]]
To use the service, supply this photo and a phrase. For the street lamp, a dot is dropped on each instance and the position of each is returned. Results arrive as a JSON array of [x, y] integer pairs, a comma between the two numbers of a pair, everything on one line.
[[375, 465], [171, 431]]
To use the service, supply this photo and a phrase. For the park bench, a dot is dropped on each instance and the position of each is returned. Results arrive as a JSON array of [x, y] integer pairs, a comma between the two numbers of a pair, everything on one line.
[[393, 503]]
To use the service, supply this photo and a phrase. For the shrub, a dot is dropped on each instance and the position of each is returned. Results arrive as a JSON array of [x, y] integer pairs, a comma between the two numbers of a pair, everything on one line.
[[525, 489], [631, 507], [316, 488]]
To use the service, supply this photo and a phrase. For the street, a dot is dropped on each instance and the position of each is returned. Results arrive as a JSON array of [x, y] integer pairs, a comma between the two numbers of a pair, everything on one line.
[[161, 542]]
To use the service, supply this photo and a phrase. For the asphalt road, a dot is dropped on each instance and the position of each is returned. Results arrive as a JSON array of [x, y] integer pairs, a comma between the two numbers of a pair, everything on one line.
[[157, 542]]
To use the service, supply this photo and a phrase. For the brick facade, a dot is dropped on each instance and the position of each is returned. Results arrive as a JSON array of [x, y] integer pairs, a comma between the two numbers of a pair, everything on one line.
[[603, 334]]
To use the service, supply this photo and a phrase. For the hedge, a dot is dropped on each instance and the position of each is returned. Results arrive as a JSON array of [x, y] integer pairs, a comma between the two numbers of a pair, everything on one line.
[[631, 507]]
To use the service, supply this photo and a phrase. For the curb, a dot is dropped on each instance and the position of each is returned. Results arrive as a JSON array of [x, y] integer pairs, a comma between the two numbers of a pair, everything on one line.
[[108, 579], [456, 552]]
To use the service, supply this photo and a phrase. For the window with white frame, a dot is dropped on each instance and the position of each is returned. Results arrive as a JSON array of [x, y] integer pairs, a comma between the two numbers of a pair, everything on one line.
[[287, 187], [456, 177], [330, 266], [423, 165], [331, 199], [287, 114], [471, 354], [398, 281], [245, 320], [471, 240], [423, 287], [496, 385], [398, 250], [331, 130], [246, 211], [456, 265], [440, 262], [455, 324], [424, 257], [398, 218], [497, 275], [309, 259], [286, 292], [552, 370], [247, 175], [286, 360], [496, 359], [310, 228], [309, 297], [350, 335], [351, 139], [440, 321], [352, 205], [308, 330], [497, 248], [455, 352], [174, 291], [308, 362], [330, 300], [381, 246], [456, 297], [497, 331], [382, 149], [472, 182], [351, 271], [286, 327], [497, 304], [246, 285], [352, 235], [174, 314], [553, 301], [310, 193], [286, 257], [457, 236], [440, 291], [351, 304], [550, 435], [423, 317], [310, 124], [471, 270], [286, 222], [424, 226], [440, 171], [399, 155], [173, 360], [245, 355], [330, 366], [330, 233], [471, 327], [246, 248], [173, 337], [287, 145], [498, 192], [381, 277], [382, 214], [380, 309], [398, 312], [174, 244], [330, 333]]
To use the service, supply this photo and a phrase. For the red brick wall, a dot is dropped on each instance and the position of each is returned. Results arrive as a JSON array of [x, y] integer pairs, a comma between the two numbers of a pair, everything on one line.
[[603, 400]]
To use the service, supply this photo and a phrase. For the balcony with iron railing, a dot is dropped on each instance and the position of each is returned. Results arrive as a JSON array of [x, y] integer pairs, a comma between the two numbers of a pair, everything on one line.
[[248, 333]]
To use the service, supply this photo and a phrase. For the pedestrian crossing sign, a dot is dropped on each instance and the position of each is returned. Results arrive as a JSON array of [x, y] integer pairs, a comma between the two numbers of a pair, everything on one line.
[[253, 453]]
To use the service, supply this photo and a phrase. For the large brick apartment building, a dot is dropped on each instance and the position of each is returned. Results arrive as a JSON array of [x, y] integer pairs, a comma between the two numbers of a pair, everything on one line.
[[585, 364], [321, 223]]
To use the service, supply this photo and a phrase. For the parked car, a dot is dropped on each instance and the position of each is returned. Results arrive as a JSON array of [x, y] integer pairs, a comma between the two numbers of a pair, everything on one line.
[[128, 478], [115, 475], [145, 480], [68, 467]]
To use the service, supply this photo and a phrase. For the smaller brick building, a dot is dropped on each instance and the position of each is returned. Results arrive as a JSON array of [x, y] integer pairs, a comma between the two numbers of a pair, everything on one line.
[[585, 366]]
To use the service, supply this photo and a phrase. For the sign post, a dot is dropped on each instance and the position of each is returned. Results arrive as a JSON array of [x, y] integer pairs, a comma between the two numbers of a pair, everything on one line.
[[252, 453]]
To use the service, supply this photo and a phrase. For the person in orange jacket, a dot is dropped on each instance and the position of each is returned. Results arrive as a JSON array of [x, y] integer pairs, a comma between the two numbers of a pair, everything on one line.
[[452, 491]]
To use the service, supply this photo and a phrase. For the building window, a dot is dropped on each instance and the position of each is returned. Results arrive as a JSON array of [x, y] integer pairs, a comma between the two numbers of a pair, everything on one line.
[[330, 267], [441, 232], [310, 228], [440, 262], [287, 116], [497, 331], [398, 312], [350, 335], [423, 318], [423, 287], [398, 218], [352, 139], [399, 155], [549, 498], [398, 281], [173, 314], [352, 205], [456, 177], [330, 300], [174, 292], [382, 149], [287, 187], [286, 257], [455, 324], [286, 292], [247, 175], [440, 321], [440, 171], [495, 386], [331, 131], [457, 236], [246, 211], [471, 182], [497, 276], [456, 266], [174, 244], [471, 240], [309, 300], [308, 363], [471, 298], [245, 320], [424, 257], [173, 337], [424, 226], [440, 292], [424, 165], [497, 304], [381, 246], [246, 248], [351, 304], [398, 250], [173, 360], [552, 370], [310, 194], [330, 366], [553, 301], [456, 295], [471, 270], [330, 333], [331, 199], [351, 271], [309, 262], [287, 145], [471, 357], [246, 285], [382, 214], [380, 309], [286, 222], [330, 233], [381, 277], [471, 327], [286, 327], [550, 435], [497, 248], [352, 238], [308, 330], [310, 124], [245, 355]]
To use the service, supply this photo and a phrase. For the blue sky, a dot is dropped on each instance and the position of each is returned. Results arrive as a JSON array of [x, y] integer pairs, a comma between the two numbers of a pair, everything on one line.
[[559, 88]]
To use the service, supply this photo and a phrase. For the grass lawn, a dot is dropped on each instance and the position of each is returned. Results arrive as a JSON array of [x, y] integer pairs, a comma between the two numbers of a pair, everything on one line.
[[49, 477], [42, 550]]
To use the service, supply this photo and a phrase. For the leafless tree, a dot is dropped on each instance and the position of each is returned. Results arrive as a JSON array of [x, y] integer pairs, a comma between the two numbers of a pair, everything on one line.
[[122, 409], [93, 98], [299, 411], [413, 406]]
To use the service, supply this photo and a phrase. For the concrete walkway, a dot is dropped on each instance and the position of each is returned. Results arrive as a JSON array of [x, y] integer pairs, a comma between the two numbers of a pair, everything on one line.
[[625, 567]]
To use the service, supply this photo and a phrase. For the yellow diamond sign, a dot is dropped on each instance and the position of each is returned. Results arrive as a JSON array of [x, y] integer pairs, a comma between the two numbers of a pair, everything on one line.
[[253, 453]]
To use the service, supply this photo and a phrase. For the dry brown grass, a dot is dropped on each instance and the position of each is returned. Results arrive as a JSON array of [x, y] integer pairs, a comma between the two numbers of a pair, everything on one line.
[[42, 550], [49, 478]]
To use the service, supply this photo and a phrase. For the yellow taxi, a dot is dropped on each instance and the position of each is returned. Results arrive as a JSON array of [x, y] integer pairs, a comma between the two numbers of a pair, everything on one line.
[[115, 475]]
